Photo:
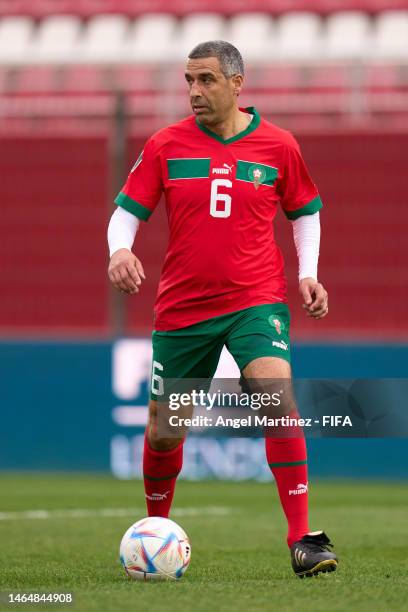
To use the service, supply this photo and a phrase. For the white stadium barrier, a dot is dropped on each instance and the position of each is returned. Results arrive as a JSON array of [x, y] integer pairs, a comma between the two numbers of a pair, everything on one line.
[[295, 37], [15, 36], [254, 34], [348, 35], [151, 38]]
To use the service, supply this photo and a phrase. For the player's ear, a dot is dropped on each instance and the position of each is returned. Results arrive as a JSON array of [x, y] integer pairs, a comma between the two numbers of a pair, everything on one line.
[[237, 82]]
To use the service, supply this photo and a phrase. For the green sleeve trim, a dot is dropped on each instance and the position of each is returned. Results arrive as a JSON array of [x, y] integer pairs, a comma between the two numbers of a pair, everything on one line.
[[308, 209], [287, 464], [124, 201]]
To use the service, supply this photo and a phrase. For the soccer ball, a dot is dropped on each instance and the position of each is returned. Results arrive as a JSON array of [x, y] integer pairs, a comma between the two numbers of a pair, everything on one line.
[[155, 548]]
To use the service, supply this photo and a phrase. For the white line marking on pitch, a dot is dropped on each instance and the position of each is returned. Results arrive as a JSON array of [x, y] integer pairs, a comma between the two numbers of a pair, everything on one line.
[[108, 513]]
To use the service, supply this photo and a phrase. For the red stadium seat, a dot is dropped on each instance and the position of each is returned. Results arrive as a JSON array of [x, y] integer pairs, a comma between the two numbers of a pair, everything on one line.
[[3, 79], [385, 77], [323, 78], [35, 79], [138, 78], [89, 79]]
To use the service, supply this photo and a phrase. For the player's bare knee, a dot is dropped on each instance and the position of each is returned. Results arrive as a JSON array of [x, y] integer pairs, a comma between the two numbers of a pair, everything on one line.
[[163, 444], [157, 430], [271, 388], [267, 368]]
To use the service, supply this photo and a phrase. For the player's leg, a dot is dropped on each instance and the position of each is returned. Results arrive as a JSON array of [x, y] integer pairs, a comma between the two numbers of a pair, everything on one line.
[[286, 456], [181, 355], [162, 463], [260, 344]]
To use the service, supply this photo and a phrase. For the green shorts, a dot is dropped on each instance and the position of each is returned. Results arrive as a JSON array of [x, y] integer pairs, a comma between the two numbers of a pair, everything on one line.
[[194, 351]]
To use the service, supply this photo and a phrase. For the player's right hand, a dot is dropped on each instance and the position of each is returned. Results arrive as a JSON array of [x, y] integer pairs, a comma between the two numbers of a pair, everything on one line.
[[125, 271]]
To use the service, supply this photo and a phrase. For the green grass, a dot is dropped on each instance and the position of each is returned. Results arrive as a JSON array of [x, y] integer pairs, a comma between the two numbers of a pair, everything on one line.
[[240, 561]]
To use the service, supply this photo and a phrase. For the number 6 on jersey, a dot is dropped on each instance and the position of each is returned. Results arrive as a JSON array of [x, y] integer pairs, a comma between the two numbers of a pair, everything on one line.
[[220, 197]]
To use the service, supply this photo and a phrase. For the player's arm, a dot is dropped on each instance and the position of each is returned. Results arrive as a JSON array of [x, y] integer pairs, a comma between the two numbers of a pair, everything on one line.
[[306, 234], [301, 204], [136, 201], [125, 269]]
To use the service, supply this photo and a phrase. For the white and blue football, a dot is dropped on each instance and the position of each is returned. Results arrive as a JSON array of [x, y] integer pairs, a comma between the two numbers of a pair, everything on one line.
[[155, 548]]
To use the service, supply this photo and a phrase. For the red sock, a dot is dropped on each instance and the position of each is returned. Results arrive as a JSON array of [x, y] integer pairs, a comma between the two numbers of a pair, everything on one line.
[[160, 471], [287, 460]]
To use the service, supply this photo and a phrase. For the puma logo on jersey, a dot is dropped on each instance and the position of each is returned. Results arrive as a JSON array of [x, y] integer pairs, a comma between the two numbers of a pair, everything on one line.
[[225, 170]]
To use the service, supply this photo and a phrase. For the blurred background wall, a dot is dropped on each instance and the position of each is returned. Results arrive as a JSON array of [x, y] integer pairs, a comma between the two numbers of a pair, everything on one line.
[[83, 83]]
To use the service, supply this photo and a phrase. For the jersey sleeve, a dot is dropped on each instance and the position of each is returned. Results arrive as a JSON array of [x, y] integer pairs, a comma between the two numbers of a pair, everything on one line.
[[143, 188], [299, 195]]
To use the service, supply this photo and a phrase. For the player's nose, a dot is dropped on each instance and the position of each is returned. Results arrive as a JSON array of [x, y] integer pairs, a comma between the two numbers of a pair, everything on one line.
[[195, 90]]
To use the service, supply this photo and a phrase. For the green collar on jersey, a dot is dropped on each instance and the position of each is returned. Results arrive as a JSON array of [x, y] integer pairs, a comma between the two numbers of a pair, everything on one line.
[[251, 127]]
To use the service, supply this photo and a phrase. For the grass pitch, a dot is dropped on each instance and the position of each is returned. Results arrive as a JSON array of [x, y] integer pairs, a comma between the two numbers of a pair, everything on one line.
[[240, 561]]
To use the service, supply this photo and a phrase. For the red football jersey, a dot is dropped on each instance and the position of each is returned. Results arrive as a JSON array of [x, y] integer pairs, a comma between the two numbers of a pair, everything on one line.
[[221, 198]]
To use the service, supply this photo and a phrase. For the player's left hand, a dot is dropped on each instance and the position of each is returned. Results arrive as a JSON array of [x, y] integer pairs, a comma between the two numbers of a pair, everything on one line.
[[315, 298]]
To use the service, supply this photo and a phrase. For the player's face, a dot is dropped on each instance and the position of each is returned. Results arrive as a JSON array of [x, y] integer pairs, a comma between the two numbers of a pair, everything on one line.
[[212, 95]]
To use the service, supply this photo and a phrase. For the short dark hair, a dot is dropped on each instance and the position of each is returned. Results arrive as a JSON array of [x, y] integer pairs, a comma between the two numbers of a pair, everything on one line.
[[229, 57]]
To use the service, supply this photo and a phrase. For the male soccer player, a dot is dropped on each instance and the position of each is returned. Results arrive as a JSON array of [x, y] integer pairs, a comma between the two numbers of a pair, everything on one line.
[[223, 171]]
